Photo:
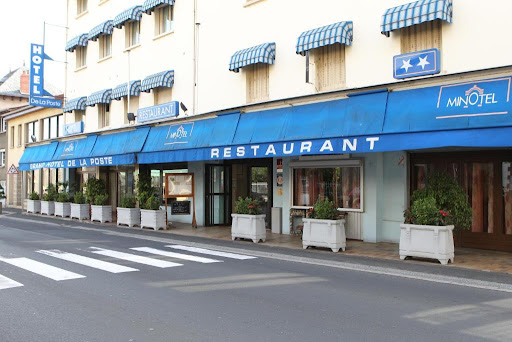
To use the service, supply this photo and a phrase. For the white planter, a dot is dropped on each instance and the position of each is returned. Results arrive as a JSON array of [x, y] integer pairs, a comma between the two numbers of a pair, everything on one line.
[[434, 242], [152, 219], [128, 216], [101, 213], [47, 208], [80, 211], [248, 227], [62, 209], [33, 206], [324, 233]]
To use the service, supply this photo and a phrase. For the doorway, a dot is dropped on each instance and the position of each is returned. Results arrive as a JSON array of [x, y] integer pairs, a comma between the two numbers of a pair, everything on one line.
[[218, 195]]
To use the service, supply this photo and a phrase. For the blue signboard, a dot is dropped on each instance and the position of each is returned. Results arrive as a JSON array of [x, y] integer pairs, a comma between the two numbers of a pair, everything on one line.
[[37, 92], [165, 110], [48, 102], [420, 63], [74, 128], [124, 159]]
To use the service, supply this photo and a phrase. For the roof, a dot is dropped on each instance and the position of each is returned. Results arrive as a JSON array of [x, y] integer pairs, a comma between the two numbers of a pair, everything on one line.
[[10, 84]]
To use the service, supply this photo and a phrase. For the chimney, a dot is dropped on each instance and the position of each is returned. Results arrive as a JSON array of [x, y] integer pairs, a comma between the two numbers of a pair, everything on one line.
[[24, 82]]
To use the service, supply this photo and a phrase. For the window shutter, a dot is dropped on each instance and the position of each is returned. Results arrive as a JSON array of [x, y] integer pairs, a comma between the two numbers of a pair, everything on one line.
[[427, 35], [330, 67]]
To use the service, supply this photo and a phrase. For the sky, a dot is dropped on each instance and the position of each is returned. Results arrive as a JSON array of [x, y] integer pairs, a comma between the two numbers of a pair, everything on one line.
[[21, 23]]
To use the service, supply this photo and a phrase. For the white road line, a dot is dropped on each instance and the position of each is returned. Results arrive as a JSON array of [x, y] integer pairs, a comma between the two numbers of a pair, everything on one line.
[[211, 252], [42, 269], [135, 258], [6, 283], [86, 261], [176, 255]]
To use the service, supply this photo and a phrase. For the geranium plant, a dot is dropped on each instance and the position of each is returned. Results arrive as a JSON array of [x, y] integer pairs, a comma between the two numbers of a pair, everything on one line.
[[246, 206]]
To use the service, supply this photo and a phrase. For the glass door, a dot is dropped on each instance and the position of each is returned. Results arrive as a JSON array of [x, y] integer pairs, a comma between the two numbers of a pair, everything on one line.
[[218, 195]]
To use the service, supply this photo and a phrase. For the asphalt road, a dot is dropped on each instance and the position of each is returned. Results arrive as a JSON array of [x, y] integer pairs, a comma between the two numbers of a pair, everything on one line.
[[50, 292]]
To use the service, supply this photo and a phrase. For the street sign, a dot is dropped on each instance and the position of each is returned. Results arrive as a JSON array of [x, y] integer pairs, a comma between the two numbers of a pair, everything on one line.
[[13, 170]]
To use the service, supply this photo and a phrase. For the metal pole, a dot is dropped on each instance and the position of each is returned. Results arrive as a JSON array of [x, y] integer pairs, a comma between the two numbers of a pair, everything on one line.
[[44, 32], [128, 86]]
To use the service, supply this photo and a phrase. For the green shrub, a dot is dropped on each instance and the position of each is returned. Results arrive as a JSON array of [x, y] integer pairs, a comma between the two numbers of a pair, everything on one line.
[[144, 190], [127, 202], [94, 187], [51, 193], [79, 198], [324, 210], [63, 197], [153, 203], [101, 199], [34, 196], [246, 206]]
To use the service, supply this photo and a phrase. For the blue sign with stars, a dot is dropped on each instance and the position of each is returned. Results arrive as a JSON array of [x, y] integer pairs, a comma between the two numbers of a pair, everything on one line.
[[420, 63]]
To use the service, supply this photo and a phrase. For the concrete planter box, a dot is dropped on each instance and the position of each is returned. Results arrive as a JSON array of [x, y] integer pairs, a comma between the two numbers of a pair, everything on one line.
[[324, 233], [434, 242], [248, 227], [80, 211], [152, 219], [62, 209], [128, 216], [47, 208], [33, 206], [101, 213]]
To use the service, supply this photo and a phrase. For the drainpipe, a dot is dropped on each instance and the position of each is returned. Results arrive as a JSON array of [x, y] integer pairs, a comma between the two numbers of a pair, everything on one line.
[[195, 58]]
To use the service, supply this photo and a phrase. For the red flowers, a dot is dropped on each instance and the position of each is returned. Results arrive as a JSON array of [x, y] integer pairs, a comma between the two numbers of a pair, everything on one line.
[[444, 213]]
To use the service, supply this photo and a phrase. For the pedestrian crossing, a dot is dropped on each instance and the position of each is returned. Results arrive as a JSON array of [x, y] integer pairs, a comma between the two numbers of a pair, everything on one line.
[[142, 256]]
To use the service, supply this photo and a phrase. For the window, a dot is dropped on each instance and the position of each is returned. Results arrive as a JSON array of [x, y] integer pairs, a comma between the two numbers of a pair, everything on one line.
[[340, 184], [329, 64], [53, 127], [103, 115], [257, 82], [20, 134], [81, 56], [12, 136], [32, 132], [81, 6], [3, 125], [79, 115], [132, 33], [164, 20], [421, 37], [162, 95], [105, 43], [2, 157]]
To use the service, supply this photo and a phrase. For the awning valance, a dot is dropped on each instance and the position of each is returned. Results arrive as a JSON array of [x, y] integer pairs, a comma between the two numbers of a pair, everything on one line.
[[120, 148], [75, 104], [416, 13], [122, 90], [161, 79], [132, 13], [150, 5], [264, 53], [106, 27], [102, 96], [35, 155], [338, 33], [74, 149], [80, 40]]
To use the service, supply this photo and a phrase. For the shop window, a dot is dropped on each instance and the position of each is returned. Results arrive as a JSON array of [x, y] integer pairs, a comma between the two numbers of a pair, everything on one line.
[[164, 20], [329, 62], [427, 35], [105, 44], [103, 115], [81, 6], [32, 132], [257, 82], [132, 33], [81, 56], [2, 157]]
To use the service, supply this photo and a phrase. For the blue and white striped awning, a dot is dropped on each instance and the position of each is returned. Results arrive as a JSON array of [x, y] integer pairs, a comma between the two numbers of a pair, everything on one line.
[[149, 5], [161, 79], [416, 13], [102, 96], [80, 40], [121, 90], [132, 13], [106, 27], [75, 104], [338, 33], [264, 53]]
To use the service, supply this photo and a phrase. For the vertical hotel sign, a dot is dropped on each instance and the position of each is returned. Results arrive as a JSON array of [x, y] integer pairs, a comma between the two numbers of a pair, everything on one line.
[[38, 96]]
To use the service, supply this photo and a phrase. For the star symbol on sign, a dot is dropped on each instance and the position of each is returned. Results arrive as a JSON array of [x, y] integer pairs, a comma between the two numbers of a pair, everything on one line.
[[423, 62], [406, 64]]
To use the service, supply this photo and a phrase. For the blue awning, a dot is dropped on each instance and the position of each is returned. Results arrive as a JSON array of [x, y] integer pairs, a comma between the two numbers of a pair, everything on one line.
[[416, 13], [121, 90], [150, 5], [74, 149], [106, 27], [77, 103], [102, 96], [338, 33], [161, 79], [264, 53], [132, 13], [34, 155], [80, 40], [120, 148]]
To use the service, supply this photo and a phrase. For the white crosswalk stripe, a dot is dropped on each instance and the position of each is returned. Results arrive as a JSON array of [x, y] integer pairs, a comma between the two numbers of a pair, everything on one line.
[[7, 283], [175, 255], [42, 269], [86, 261], [135, 258], [211, 252]]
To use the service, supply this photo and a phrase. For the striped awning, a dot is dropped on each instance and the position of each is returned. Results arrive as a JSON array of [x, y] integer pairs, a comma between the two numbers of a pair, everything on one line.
[[416, 13], [149, 5], [106, 27], [264, 53], [102, 96], [75, 104], [338, 33], [161, 79], [80, 40], [121, 90], [132, 13]]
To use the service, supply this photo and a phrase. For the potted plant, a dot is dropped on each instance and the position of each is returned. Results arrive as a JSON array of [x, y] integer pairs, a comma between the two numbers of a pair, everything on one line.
[[324, 226], [48, 204], [79, 209], [33, 203], [62, 206], [248, 223], [2, 196], [127, 214], [150, 214], [429, 222]]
